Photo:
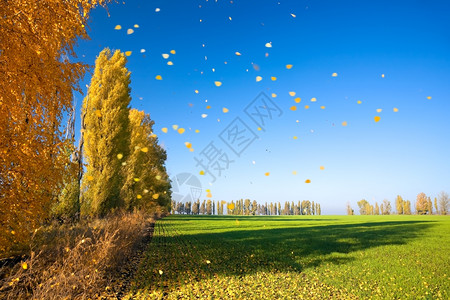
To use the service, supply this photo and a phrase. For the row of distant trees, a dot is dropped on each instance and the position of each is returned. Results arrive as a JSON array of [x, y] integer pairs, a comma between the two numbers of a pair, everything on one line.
[[246, 207], [424, 206]]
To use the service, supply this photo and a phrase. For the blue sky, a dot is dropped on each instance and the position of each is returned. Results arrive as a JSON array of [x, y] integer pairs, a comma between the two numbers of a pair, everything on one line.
[[405, 153]]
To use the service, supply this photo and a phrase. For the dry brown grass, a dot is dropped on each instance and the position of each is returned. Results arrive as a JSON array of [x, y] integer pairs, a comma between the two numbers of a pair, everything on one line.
[[77, 261]]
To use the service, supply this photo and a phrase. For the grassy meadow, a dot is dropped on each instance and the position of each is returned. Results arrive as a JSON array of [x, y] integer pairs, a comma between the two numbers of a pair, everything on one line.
[[295, 257]]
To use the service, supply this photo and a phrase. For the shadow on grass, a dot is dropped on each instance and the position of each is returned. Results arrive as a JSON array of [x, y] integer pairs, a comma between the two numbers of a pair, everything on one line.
[[241, 252]]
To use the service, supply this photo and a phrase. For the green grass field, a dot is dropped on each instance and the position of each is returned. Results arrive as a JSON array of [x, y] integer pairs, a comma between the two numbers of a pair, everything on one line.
[[295, 257]]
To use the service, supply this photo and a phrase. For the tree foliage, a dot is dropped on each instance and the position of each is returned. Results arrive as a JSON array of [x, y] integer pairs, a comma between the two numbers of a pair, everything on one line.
[[106, 134], [37, 80], [443, 203], [147, 185], [422, 204], [386, 207], [364, 207]]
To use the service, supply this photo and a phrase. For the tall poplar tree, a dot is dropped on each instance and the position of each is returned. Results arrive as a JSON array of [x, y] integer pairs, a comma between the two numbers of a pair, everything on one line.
[[107, 135], [147, 185]]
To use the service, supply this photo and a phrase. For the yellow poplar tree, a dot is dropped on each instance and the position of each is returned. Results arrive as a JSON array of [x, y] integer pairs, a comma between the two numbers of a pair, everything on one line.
[[36, 84], [399, 205], [106, 134], [147, 185]]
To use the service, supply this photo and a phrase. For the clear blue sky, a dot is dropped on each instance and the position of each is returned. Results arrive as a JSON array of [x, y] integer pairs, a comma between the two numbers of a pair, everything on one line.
[[405, 153]]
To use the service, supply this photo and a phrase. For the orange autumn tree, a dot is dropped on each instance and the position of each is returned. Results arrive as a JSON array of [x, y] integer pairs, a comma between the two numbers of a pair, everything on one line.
[[36, 86]]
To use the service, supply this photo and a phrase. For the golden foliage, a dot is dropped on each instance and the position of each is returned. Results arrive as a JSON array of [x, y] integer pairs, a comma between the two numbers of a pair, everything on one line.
[[146, 162], [106, 133], [37, 80]]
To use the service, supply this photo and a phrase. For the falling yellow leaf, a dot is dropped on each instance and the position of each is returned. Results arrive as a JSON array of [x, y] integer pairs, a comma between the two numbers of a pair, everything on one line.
[[158, 77], [164, 129], [382, 75], [344, 123], [204, 116], [274, 95], [196, 91], [208, 262], [376, 118], [202, 172], [217, 83], [258, 78], [238, 53], [293, 108], [269, 45], [322, 107], [292, 94], [130, 31], [197, 131], [145, 149], [429, 97], [24, 265], [297, 100], [259, 128], [273, 78], [293, 15], [165, 55], [169, 63], [359, 101], [188, 145], [313, 99], [90, 178], [175, 127], [379, 110], [334, 75], [136, 26], [225, 110], [267, 173], [120, 156], [322, 167], [395, 109], [294, 172], [306, 106], [173, 52], [208, 106], [181, 130], [307, 181], [128, 53], [155, 196], [295, 137], [209, 195], [118, 27], [139, 197], [289, 67]]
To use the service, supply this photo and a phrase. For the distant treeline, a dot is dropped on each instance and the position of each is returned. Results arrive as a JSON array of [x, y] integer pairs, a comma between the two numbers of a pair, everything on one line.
[[424, 206], [246, 207]]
